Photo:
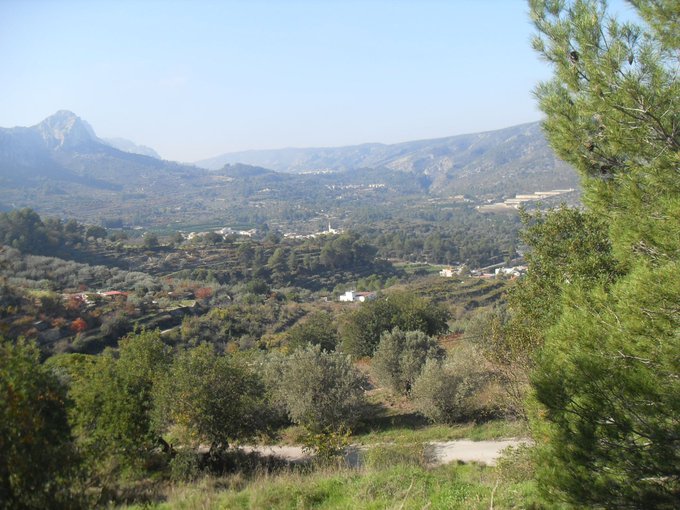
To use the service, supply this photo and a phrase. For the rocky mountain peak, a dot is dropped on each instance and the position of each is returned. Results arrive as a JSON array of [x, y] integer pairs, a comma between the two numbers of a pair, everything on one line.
[[65, 129]]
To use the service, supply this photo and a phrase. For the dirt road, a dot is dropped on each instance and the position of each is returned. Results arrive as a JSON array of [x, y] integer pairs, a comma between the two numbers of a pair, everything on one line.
[[444, 452]]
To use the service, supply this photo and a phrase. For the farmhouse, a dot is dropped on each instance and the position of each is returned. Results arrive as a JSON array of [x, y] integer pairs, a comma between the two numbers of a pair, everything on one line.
[[351, 296]]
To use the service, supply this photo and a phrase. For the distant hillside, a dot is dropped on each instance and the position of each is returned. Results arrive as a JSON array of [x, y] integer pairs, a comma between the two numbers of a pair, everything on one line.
[[129, 146], [61, 167], [511, 160], [65, 148]]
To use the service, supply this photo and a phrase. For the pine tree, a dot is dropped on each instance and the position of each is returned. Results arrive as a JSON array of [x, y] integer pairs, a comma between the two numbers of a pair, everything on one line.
[[607, 378]]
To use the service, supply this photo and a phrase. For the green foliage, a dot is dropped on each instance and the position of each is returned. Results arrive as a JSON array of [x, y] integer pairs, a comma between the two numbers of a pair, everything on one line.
[[24, 230], [347, 250], [386, 456], [185, 465], [37, 456], [150, 241], [395, 480], [451, 235], [400, 356], [320, 390], [327, 445], [95, 231], [567, 247], [363, 327], [317, 329], [449, 391], [612, 400], [211, 398], [113, 403], [606, 380], [612, 113]]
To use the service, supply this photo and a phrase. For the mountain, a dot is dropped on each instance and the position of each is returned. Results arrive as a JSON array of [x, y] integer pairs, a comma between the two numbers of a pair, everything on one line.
[[515, 159], [65, 147], [125, 145], [60, 167]]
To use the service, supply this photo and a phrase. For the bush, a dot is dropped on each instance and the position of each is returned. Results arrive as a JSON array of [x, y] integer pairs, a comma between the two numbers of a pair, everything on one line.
[[318, 389], [363, 327], [213, 398], [448, 391], [328, 444], [37, 458], [112, 404], [186, 465], [400, 358], [317, 329]]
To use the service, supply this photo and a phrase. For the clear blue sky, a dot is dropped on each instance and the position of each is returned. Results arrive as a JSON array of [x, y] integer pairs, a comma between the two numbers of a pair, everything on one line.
[[194, 79]]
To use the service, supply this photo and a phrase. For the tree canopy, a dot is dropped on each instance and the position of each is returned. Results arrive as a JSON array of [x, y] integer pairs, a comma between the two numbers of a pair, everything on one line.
[[607, 375], [37, 455], [363, 327]]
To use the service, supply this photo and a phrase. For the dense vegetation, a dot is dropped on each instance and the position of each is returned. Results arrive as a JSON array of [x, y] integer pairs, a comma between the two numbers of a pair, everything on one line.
[[606, 376], [121, 384], [248, 348]]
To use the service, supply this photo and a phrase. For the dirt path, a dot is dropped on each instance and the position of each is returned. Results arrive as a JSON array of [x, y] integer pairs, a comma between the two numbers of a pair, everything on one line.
[[440, 452], [485, 452]]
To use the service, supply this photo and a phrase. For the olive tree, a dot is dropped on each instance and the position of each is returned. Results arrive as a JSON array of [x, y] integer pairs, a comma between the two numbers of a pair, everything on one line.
[[210, 398], [318, 389], [400, 356]]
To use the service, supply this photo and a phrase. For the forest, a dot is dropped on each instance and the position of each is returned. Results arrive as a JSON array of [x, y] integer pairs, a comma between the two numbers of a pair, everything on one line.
[[150, 370]]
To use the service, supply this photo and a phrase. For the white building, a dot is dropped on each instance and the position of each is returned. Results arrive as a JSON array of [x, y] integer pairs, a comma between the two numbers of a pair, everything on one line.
[[352, 296]]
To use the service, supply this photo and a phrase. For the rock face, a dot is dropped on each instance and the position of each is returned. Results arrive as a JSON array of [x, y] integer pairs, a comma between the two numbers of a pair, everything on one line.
[[65, 130]]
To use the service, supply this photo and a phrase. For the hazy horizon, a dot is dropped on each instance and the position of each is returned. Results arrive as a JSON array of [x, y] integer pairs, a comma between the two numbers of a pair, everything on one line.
[[195, 80]]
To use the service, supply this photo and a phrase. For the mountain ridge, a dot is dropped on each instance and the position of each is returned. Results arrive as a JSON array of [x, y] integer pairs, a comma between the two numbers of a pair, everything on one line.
[[60, 167], [474, 162]]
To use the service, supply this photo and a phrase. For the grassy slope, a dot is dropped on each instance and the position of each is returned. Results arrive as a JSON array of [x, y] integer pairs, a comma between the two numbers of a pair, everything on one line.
[[405, 434], [405, 485]]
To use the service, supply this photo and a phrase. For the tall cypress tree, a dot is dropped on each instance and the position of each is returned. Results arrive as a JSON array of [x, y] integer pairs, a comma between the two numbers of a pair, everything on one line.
[[607, 377]]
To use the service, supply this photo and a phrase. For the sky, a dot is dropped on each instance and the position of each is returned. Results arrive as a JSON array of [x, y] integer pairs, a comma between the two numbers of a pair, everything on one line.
[[195, 79]]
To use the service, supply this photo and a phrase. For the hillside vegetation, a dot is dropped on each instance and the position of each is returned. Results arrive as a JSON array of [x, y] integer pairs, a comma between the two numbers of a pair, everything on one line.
[[156, 369]]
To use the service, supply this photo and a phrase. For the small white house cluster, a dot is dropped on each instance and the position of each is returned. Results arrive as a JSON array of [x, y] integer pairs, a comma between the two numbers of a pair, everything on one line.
[[351, 296], [224, 232], [450, 272], [330, 231], [513, 272]]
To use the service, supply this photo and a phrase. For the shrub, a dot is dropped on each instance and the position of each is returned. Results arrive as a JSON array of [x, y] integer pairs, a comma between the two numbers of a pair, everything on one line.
[[318, 389], [327, 445], [400, 358], [363, 327], [37, 458], [213, 398], [317, 329], [113, 400], [446, 391], [186, 465]]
